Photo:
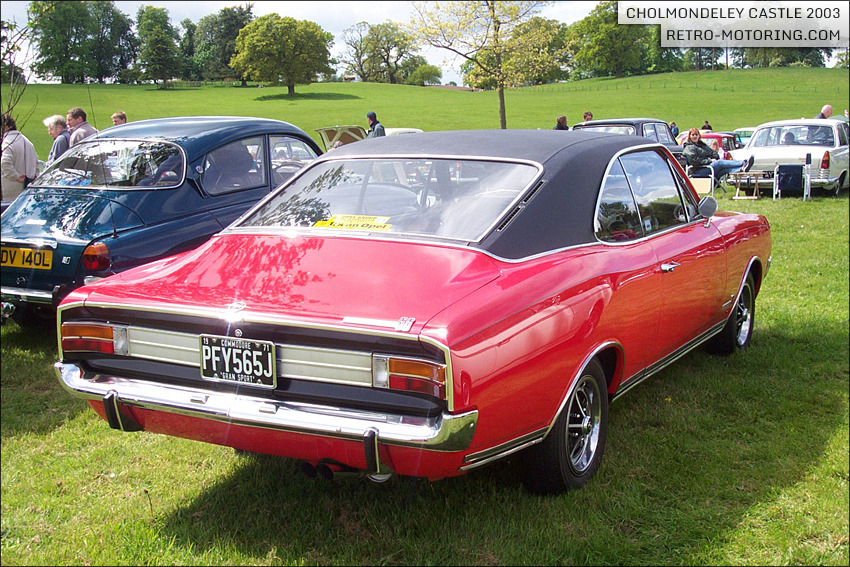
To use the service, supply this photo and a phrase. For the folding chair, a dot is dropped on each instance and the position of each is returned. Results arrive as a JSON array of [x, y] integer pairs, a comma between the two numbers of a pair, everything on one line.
[[702, 178], [792, 177]]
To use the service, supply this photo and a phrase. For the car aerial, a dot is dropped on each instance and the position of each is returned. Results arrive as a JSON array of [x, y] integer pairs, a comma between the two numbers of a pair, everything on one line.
[[330, 135], [651, 128], [136, 193], [823, 143], [425, 305]]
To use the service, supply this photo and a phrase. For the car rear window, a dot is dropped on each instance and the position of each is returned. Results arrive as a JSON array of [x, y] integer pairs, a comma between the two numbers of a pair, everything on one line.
[[793, 135], [453, 199], [626, 129], [117, 163]]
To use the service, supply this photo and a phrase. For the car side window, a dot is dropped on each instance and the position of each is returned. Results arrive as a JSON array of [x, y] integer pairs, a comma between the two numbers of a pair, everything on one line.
[[237, 166], [656, 192], [664, 134], [617, 218], [288, 156], [649, 131], [842, 134]]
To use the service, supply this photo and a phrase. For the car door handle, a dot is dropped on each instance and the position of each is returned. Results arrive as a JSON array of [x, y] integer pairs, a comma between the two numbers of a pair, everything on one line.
[[669, 266]]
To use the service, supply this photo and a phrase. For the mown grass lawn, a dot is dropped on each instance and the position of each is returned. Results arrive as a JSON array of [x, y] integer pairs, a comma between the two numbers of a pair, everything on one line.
[[740, 460]]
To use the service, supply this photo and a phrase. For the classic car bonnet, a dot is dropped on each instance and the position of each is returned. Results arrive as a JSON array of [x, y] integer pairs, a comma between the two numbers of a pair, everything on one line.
[[328, 280], [66, 215]]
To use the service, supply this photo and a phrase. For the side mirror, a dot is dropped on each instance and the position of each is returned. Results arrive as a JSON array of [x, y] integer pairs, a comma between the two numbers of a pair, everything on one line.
[[707, 206]]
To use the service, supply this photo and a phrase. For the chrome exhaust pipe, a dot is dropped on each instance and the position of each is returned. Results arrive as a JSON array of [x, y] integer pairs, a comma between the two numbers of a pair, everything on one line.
[[334, 471]]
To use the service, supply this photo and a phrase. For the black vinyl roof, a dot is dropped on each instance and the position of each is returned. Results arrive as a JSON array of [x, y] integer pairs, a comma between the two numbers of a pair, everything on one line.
[[560, 207]]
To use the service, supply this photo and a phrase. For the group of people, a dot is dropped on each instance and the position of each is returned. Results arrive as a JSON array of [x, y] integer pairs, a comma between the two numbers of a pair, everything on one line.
[[561, 122], [19, 161]]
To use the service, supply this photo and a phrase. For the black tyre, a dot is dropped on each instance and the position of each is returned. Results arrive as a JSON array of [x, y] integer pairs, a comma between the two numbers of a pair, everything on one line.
[[738, 330], [570, 454]]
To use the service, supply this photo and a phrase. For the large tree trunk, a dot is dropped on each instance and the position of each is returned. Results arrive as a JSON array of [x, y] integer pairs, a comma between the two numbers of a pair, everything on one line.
[[290, 89]]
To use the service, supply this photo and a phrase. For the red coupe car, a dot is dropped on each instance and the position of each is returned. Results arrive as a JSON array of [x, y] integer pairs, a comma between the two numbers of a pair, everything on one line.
[[424, 305]]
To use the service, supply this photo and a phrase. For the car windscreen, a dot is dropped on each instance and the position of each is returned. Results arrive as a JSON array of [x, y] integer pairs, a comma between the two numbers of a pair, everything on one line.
[[446, 198], [116, 163], [793, 135], [626, 129]]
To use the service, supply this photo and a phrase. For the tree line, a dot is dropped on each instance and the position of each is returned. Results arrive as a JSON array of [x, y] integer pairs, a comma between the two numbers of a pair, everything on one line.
[[81, 41], [502, 44]]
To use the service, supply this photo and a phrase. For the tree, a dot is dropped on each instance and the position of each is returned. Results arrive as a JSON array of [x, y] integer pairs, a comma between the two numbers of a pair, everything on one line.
[[282, 50], [356, 55], [661, 59], [545, 62], [188, 69], [381, 53], [425, 75], [387, 47], [61, 32], [158, 54], [15, 41], [482, 32], [215, 41], [602, 47], [113, 45]]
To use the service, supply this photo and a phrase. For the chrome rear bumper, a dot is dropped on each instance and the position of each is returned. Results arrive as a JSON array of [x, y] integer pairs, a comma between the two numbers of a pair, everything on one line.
[[446, 432], [30, 295]]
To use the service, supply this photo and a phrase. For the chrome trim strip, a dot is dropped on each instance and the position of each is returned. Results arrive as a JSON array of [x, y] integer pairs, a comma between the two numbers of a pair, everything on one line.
[[31, 295], [446, 432], [668, 360], [480, 458], [254, 317]]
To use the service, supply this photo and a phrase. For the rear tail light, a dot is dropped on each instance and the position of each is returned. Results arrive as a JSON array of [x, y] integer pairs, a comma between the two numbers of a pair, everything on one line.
[[94, 337], [409, 375], [824, 162], [96, 257]]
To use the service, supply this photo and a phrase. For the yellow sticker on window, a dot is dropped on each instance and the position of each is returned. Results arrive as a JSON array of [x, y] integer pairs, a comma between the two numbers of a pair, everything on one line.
[[356, 222]]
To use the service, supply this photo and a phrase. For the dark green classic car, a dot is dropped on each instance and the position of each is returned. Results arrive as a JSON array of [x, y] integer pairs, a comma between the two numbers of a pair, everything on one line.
[[136, 193]]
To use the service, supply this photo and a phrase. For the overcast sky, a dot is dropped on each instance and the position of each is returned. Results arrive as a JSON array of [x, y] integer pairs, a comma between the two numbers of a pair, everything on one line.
[[333, 17]]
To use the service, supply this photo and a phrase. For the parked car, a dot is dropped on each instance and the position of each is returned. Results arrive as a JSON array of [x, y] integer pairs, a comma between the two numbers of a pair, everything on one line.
[[822, 142], [651, 128], [424, 305], [137, 193], [347, 134], [743, 135], [724, 139]]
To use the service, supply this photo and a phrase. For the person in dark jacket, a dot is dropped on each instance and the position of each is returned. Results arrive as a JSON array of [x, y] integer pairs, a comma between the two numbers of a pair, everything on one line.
[[376, 129], [699, 154], [57, 127], [561, 123]]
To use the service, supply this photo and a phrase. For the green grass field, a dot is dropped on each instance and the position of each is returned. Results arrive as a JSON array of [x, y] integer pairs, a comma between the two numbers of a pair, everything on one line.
[[714, 461], [727, 99]]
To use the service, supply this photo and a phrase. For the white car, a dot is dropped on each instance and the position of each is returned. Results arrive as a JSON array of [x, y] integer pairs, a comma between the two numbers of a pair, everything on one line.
[[823, 141], [335, 136]]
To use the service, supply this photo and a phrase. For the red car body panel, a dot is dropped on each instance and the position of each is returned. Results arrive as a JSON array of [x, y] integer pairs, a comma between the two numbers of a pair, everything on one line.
[[514, 334]]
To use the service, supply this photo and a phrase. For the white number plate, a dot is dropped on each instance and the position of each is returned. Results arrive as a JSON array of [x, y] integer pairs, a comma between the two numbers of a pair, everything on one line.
[[238, 360]]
